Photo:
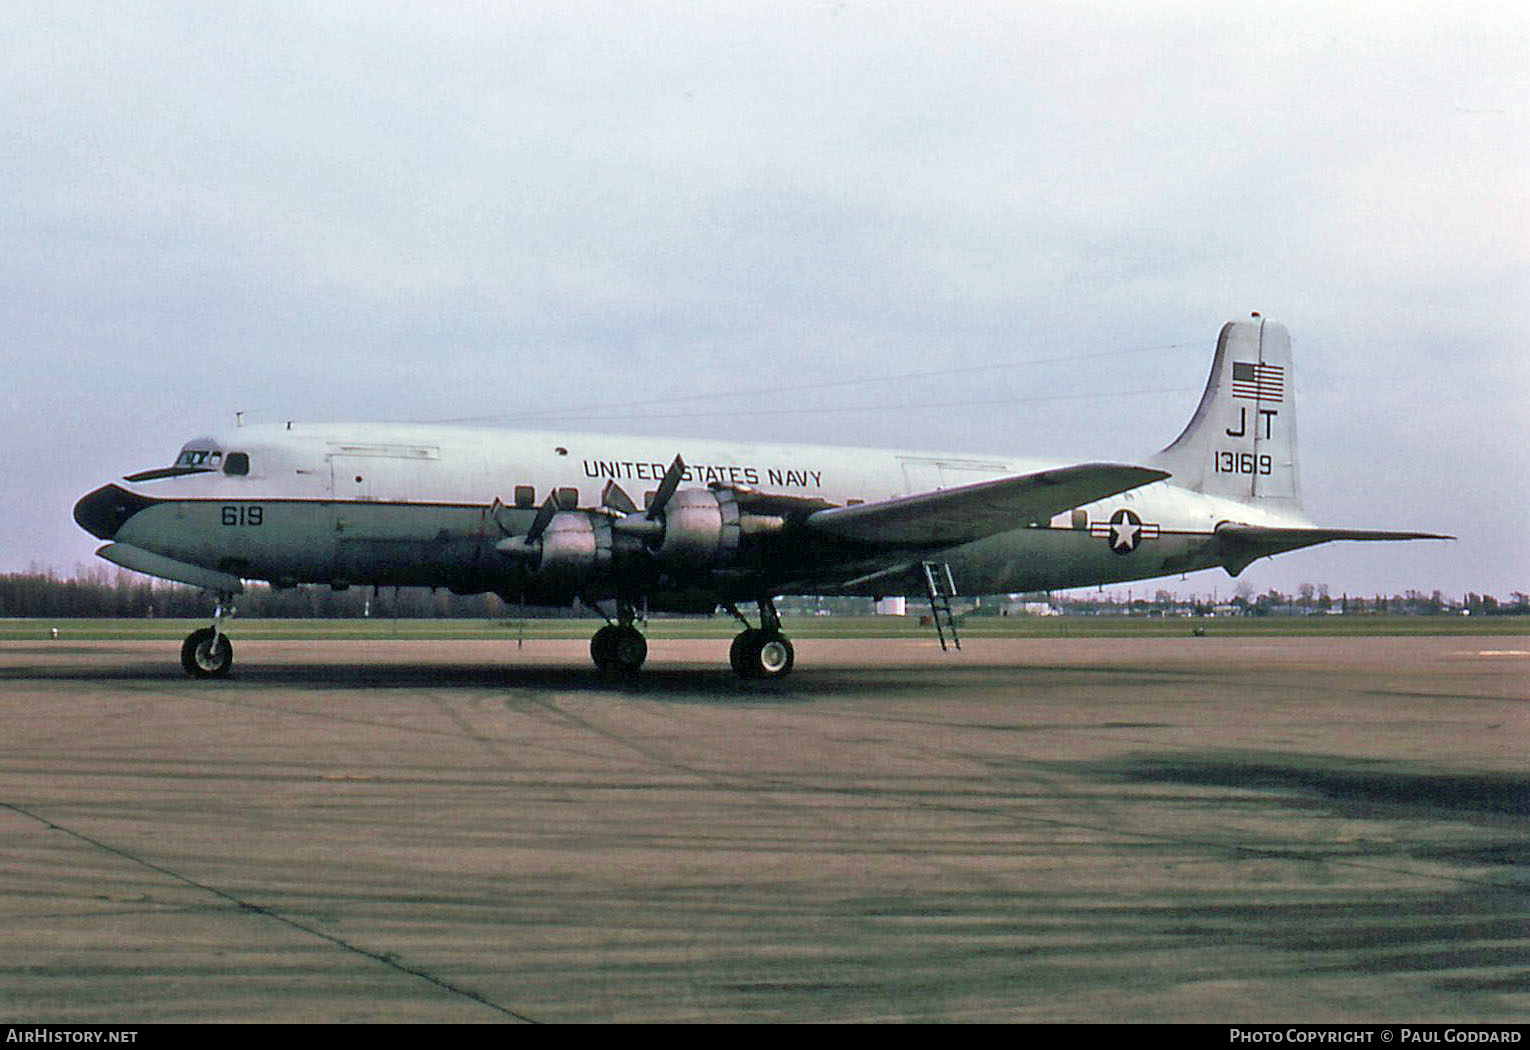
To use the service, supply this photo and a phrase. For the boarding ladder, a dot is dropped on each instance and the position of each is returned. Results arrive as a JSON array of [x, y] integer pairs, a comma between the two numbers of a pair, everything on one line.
[[940, 588]]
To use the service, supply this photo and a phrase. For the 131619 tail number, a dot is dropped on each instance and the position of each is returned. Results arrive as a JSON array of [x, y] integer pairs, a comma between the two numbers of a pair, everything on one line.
[[1242, 463]]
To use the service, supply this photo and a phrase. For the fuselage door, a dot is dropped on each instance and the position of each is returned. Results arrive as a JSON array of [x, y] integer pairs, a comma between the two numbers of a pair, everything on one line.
[[348, 478], [927, 475], [922, 475]]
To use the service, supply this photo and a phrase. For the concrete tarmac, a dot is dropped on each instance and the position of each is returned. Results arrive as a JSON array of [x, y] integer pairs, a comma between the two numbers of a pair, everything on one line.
[[1198, 829]]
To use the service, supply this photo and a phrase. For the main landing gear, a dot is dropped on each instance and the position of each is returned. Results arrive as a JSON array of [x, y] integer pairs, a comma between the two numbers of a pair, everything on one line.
[[757, 652], [207, 652], [619, 648], [761, 652]]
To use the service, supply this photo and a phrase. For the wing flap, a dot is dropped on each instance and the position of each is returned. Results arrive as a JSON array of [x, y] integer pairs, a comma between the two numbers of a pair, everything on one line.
[[946, 517]]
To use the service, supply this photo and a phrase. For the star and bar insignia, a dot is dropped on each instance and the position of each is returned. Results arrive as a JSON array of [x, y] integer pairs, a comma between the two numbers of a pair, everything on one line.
[[1125, 530]]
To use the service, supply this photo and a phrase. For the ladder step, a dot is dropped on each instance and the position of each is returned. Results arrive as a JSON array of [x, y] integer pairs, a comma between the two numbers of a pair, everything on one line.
[[938, 579]]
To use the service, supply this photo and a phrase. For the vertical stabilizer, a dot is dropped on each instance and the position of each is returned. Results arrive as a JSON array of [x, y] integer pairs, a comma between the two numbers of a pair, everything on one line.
[[1241, 442]]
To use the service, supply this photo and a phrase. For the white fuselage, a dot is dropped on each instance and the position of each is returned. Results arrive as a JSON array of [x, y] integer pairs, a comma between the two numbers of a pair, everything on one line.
[[397, 504]]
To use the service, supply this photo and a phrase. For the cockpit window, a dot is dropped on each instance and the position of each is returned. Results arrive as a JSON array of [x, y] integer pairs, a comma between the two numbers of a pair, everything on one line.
[[192, 460], [237, 463]]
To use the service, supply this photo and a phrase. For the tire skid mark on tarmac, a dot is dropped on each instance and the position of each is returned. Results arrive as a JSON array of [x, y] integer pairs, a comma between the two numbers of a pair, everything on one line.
[[385, 959], [764, 791], [1039, 772], [768, 784], [1343, 952], [911, 791]]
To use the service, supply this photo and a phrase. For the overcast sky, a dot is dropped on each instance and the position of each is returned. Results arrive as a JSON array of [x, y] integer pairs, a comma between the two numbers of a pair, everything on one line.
[[497, 211]]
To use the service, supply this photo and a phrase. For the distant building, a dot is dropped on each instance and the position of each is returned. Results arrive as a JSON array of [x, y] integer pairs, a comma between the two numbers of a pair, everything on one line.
[[1037, 604]]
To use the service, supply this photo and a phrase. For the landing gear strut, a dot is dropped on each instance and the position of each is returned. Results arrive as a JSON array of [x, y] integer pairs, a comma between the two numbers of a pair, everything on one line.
[[761, 652], [619, 647], [207, 652]]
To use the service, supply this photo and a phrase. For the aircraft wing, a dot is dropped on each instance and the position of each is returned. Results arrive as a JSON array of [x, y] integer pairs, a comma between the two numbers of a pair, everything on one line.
[[946, 517]]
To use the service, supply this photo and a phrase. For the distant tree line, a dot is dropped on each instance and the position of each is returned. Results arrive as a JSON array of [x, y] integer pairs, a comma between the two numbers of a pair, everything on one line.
[[99, 592], [102, 592], [1307, 601]]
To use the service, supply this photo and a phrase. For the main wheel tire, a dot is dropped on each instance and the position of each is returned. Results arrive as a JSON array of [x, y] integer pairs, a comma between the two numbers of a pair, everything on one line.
[[603, 647], [741, 653], [761, 654], [617, 648], [631, 649], [207, 654]]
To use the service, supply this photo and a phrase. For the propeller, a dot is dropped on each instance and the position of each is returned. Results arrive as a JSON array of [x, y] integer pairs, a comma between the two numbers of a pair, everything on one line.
[[667, 487], [526, 546], [648, 526]]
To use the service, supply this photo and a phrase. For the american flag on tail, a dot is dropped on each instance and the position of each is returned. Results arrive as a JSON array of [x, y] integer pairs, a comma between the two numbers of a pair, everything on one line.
[[1258, 382]]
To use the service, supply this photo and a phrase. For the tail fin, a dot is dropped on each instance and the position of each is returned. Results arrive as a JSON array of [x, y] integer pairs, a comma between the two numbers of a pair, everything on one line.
[[1241, 442]]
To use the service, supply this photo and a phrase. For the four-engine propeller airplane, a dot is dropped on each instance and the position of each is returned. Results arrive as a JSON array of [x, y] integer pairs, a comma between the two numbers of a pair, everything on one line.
[[549, 517]]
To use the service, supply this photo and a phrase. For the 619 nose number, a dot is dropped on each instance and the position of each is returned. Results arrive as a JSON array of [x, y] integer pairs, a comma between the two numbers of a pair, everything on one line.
[[242, 514]]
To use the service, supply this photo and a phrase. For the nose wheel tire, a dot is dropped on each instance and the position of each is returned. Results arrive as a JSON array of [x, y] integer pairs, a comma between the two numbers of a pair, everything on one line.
[[620, 649], [207, 654], [761, 654]]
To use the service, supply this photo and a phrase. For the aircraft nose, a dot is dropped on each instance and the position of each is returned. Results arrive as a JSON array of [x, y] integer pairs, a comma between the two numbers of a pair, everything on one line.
[[103, 512]]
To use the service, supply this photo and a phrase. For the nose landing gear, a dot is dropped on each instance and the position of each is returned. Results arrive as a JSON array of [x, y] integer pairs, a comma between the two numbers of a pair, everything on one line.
[[207, 652]]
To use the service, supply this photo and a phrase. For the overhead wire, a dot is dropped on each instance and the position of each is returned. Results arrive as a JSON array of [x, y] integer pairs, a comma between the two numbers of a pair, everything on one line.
[[607, 410], [906, 407]]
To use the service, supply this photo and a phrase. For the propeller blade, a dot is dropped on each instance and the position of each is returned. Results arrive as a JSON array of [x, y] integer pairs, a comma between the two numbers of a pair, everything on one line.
[[544, 518], [494, 515], [667, 488], [617, 499]]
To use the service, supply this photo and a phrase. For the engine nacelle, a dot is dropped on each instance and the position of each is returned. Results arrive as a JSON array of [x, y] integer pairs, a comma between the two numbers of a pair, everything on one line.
[[575, 545], [701, 528], [696, 530]]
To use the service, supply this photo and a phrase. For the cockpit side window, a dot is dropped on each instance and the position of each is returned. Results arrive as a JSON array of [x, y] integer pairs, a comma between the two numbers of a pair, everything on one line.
[[237, 463]]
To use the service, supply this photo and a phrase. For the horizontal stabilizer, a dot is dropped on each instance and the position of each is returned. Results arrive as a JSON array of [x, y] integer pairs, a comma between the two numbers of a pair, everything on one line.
[[946, 517], [140, 560], [1276, 536], [1248, 543]]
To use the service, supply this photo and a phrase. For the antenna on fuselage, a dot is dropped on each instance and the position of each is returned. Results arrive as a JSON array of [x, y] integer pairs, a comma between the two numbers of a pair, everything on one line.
[[238, 419]]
